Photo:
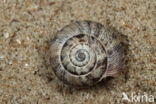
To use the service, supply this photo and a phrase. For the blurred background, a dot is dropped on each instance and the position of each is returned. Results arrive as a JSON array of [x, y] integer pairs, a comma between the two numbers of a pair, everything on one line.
[[28, 26]]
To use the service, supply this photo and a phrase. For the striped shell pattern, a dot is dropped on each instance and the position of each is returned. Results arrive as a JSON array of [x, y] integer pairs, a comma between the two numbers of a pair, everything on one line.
[[85, 52]]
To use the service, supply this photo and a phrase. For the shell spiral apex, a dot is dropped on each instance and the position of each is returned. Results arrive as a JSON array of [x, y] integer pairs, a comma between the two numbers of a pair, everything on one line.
[[85, 52]]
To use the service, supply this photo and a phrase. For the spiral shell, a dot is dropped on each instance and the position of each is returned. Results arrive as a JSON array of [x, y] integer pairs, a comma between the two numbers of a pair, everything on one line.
[[85, 52]]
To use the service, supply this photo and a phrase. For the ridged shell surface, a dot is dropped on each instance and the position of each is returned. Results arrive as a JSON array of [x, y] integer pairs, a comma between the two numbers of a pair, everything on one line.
[[85, 52]]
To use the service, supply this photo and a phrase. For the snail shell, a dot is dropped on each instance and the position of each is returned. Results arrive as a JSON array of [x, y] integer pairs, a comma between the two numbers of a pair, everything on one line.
[[85, 52]]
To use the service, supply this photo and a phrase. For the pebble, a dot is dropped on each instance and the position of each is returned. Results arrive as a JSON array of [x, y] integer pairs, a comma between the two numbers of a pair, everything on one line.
[[6, 35]]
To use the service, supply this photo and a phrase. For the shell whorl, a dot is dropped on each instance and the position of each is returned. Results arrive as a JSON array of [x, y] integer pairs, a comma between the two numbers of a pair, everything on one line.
[[85, 52]]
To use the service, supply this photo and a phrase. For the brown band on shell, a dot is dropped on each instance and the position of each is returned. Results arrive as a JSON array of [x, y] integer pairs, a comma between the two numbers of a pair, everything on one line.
[[85, 52]]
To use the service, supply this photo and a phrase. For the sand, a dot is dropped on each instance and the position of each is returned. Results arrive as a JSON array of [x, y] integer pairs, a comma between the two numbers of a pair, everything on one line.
[[28, 26]]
